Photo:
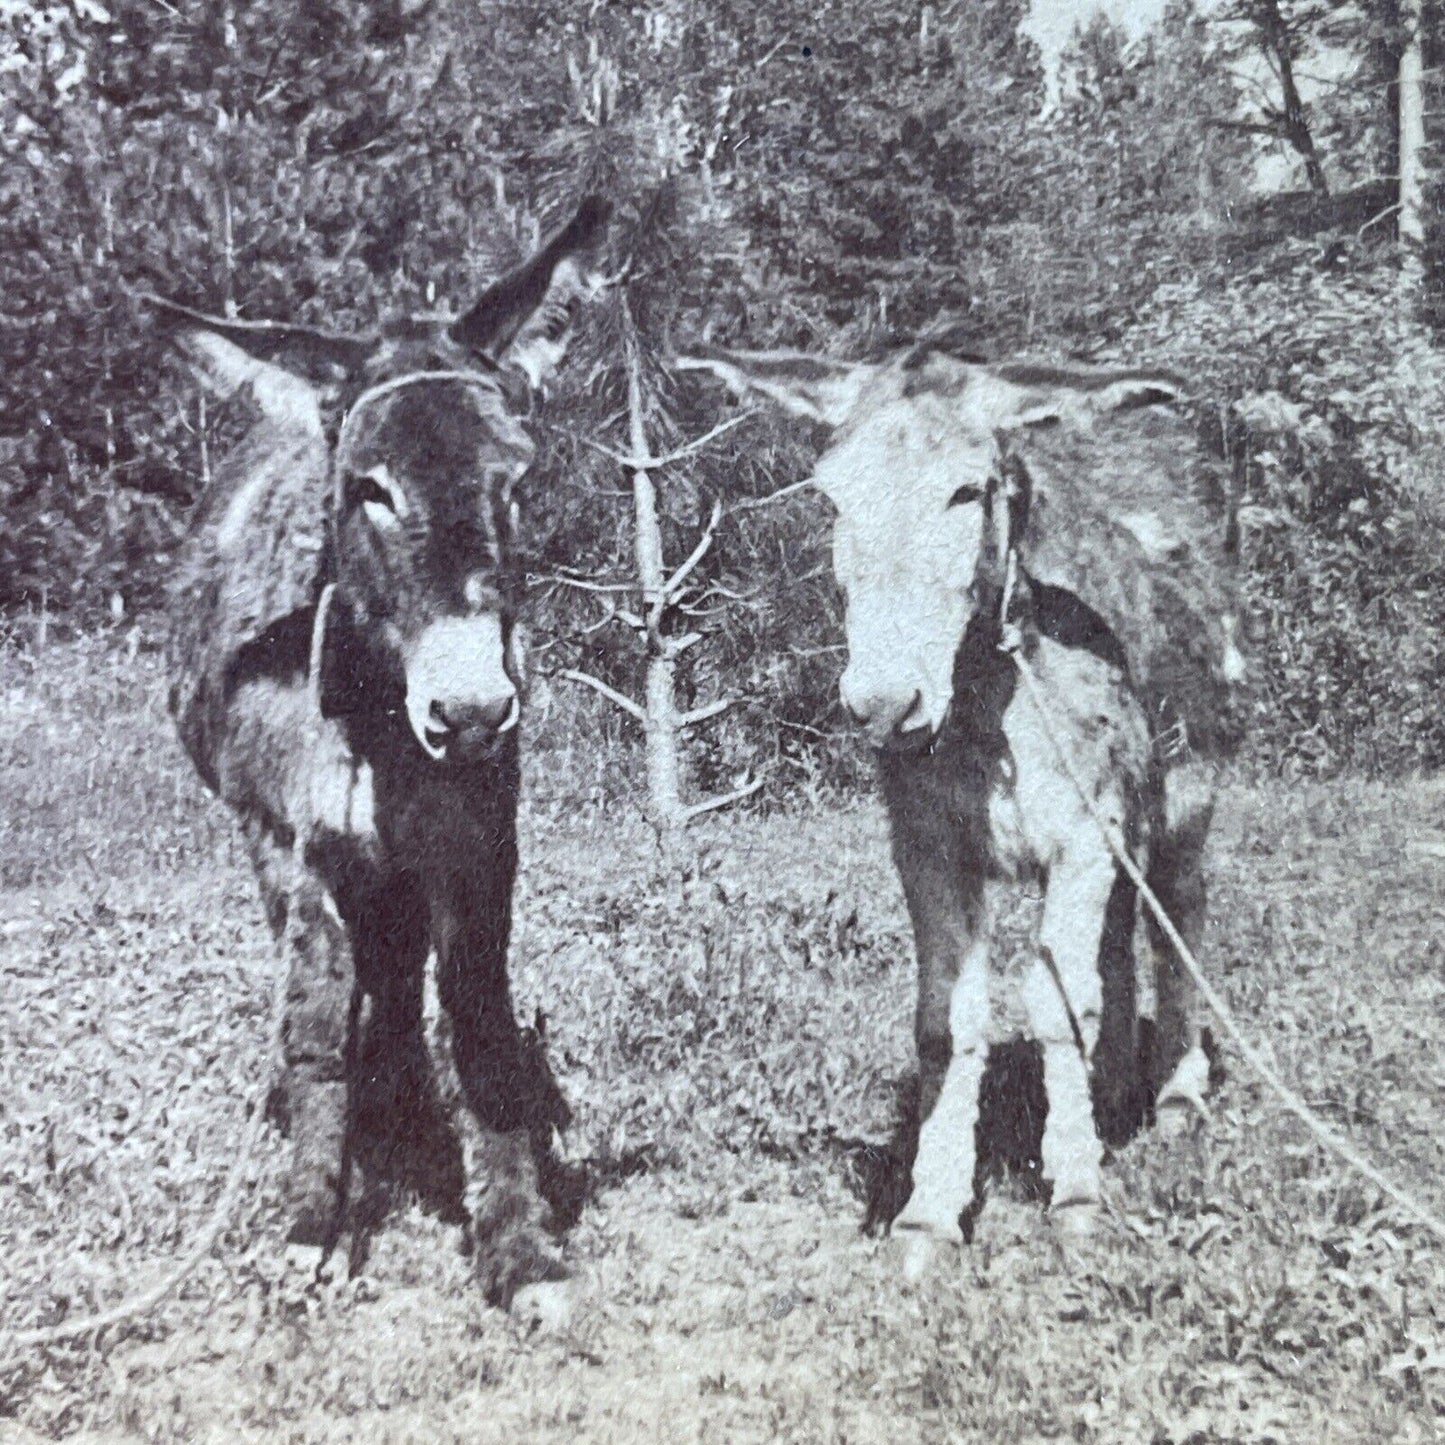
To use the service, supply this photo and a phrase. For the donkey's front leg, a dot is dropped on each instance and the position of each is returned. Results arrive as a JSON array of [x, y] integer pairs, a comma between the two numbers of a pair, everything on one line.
[[952, 1051], [1063, 995], [950, 918], [490, 1076], [317, 1038]]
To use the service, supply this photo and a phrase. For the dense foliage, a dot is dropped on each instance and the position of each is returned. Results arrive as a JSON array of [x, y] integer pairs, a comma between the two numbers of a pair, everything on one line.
[[837, 175]]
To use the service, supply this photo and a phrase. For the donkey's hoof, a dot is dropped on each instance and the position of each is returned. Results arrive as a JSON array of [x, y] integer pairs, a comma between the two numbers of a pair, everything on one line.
[[925, 1234], [521, 1259], [1181, 1100], [940, 1225], [1176, 1116], [310, 1269], [920, 1255]]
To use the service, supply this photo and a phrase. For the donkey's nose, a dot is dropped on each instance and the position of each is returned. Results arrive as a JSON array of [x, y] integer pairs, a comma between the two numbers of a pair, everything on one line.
[[477, 715], [881, 711]]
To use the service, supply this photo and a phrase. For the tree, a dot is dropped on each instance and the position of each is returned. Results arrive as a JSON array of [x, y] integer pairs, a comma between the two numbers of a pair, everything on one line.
[[1277, 32], [1412, 151], [664, 604], [274, 164]]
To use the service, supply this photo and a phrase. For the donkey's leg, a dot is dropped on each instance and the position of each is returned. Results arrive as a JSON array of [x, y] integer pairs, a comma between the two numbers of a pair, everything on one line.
[[484, 1065], [952, 1032], [943, 885], [316, 1039], [407, 1137], [1064, 1004], [1180, 1068], [1119, 1091]]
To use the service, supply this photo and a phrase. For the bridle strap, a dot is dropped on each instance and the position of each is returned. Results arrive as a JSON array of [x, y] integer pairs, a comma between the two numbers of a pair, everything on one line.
[[1005, 500], [318, 646], [413, 378], [1010, 586]]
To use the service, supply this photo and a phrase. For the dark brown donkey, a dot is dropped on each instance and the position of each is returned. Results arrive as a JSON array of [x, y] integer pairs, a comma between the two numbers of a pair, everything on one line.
[[969, 497], [345, 677]]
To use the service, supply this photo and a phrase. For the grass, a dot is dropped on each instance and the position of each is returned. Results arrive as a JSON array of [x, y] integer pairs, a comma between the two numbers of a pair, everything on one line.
[[726, 1047]]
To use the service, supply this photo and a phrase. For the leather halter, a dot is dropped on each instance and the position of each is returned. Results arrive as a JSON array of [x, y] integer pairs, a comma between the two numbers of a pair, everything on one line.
[[412, 378]]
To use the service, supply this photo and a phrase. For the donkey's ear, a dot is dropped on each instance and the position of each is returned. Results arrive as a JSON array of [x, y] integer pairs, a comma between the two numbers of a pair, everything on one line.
[[1027, 395], [525, 319], [815, 387], [229, 355]]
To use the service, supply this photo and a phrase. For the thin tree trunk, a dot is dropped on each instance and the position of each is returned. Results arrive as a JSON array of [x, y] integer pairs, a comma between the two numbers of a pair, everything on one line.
[[1412, 152], [1293, 126], [226, 121], [664, 726], [660, 727]]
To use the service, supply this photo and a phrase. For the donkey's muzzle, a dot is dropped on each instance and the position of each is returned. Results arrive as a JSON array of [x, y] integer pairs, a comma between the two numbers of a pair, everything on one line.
[[887, 717], [459, 695], [473, 721]]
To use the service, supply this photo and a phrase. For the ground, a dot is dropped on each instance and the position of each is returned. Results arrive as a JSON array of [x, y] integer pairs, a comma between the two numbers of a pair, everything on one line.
[[730, 1048]]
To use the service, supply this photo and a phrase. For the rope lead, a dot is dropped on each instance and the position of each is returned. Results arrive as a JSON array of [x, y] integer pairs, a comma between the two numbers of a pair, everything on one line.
[[1321, 1131], [145, 1301]]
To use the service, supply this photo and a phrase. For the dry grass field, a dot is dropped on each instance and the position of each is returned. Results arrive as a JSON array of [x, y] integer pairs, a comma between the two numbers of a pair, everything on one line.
[[730, 1050]]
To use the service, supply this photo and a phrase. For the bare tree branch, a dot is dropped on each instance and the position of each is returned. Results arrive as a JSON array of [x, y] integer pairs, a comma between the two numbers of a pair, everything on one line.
[[673, 585], [586, 586], [748, 503], [716, 589], [701, 714], [605, 620], [708, 805], [652, 464], [610, 693], [676, 646], [1375, 220], [811, 730]]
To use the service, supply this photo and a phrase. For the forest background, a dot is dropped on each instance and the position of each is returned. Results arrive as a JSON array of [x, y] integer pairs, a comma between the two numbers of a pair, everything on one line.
[[1220, 194]]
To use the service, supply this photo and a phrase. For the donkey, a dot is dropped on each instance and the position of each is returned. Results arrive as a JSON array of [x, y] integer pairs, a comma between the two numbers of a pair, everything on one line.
[[346, 677], [973, 498]]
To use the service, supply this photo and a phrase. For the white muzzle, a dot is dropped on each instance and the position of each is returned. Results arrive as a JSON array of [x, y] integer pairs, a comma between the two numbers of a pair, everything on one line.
[[457, 685]]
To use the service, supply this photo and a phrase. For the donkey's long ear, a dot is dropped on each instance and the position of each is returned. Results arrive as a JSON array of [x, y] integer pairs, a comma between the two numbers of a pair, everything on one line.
[[814, 387], [1027, 394], [1118, 457], [524, 319], [256, 556], [230, 355]]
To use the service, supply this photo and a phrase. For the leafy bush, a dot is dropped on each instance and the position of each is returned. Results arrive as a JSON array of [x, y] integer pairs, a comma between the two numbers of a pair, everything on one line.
[[1329, 396]]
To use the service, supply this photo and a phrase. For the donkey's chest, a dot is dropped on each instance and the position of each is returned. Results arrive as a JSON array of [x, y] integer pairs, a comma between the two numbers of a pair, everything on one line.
[[376, 811]]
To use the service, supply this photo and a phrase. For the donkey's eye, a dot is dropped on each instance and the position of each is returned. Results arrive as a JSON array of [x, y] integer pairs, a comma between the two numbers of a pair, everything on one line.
[[383, 505], [965, 494], [366, 491], [558, 321]]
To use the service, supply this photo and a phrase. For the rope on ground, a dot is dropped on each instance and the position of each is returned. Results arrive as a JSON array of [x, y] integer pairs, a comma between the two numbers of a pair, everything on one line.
[[147, 1300], [1292, 1101], [144, 1302]]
